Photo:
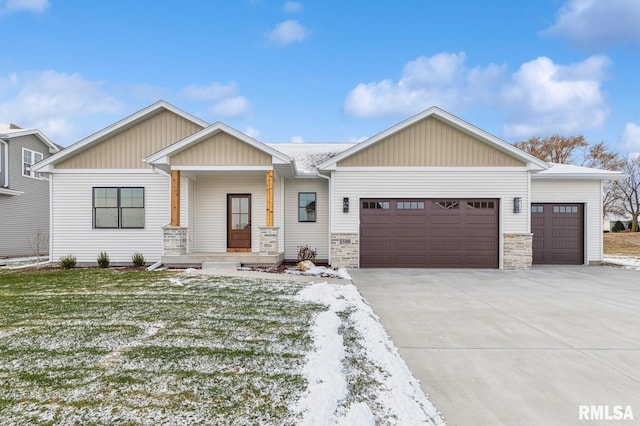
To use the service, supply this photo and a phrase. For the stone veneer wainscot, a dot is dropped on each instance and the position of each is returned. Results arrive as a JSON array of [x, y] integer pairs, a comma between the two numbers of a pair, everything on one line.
[[517, 251], [344, 250]]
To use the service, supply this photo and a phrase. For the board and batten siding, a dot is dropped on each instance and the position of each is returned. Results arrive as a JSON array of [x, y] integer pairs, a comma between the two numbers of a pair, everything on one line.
[[314, 234], [430, 142], [588, 192], [504, 185], [210, 208], [73, 233], [127, 148], [221, 149], [24, 218]]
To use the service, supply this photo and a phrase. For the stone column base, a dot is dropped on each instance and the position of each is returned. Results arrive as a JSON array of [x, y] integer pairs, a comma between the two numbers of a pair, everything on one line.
[[517, 250], [269, 240], [174, 240], [345, 249]]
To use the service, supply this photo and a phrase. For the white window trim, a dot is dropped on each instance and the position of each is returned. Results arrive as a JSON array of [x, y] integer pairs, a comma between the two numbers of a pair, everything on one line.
[[32, 174], [4, 164]]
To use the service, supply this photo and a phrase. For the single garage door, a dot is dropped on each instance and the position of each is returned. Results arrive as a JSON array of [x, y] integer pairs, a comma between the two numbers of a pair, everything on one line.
[[558, 233], [428, 233]]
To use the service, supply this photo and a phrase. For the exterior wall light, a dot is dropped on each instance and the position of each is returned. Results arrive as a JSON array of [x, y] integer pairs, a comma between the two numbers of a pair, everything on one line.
[[517, 205]]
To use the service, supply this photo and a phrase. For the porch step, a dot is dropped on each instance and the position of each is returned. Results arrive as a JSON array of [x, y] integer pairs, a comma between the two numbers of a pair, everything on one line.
[[220, 266]]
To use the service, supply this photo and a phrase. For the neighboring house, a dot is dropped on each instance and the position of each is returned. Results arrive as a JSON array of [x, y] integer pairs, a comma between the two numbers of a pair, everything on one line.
[[24, 193], [610, 220], [432, 191]]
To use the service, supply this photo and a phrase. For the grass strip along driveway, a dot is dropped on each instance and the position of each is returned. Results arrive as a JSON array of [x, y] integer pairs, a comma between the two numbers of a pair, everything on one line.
[[110, 347]]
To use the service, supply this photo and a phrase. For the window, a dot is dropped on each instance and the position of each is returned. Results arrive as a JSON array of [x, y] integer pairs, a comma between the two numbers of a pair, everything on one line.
[[306, 206], [410, 205], [29, 158], [447, 205], [565, 209], [480, 204], [118, 207], [375, 205], [537, 209]]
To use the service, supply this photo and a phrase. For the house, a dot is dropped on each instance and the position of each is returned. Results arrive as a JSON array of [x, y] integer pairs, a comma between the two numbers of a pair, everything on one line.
[[431, 191], [24, 193]]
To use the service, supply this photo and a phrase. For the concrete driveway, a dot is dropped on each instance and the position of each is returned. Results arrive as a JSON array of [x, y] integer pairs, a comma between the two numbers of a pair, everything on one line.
[[515, 347]]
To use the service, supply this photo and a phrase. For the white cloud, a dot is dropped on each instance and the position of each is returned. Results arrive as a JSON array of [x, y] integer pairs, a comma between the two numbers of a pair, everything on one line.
[[297, 139], [37, 6], [287, 32], [213, 92], [251, 132], [598, 22], [292, 6], [442, 79], [53, 102], [630, 138], [544, 97], [231, 107]]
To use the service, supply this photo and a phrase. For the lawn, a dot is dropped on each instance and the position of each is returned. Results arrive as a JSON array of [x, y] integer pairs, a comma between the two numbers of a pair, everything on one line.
[[110, 347], [622, 243]]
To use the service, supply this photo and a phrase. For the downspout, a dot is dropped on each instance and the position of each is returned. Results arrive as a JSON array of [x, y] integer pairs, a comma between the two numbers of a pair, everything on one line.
[[330, 211]]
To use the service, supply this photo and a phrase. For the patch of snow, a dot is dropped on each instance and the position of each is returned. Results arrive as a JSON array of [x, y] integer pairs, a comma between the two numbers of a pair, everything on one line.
[[624, 261], [321, 271], [176, 281], [400, 394]]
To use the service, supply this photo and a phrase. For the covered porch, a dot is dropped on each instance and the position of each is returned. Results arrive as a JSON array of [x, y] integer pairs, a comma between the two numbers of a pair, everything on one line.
[[226, 191]]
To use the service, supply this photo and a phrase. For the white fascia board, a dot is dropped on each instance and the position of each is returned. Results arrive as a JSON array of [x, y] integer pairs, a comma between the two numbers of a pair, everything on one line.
[[579, 176], [450, 119], [102, 171], [89, 140], [7, 191], [430, 169], [53, 148], [222, 168]]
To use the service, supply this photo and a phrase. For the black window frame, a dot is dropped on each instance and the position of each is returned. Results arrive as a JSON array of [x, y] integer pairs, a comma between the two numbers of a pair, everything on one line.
[[119, 207], [305, 207]]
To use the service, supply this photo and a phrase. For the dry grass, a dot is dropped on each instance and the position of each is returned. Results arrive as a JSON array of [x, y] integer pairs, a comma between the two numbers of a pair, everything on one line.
[[622, 243]]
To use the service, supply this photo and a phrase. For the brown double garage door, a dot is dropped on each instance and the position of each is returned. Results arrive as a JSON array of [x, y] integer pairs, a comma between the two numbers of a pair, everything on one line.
[[429, 233]]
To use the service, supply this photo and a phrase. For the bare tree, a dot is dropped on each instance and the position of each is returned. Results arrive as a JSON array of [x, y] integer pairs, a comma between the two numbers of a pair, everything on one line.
[[38, 243], [629, 188], [601, 157], [553, 149]]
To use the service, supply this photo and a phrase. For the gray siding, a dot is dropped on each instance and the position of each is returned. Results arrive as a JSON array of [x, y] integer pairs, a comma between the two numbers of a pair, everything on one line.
[[24, 217]]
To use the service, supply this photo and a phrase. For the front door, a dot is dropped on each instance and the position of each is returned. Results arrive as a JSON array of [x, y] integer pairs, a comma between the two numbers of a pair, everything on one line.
[[239, 222]]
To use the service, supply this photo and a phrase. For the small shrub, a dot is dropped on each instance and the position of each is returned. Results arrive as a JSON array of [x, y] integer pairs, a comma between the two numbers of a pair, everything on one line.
[[137, 259], [103, 259], [618, 227], [67, 262], [307, 253]]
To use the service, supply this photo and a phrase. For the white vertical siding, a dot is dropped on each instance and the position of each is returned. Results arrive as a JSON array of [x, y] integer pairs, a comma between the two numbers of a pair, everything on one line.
[[315, 234], [210, 212], [504, 185], [72, 204], [588, 192]]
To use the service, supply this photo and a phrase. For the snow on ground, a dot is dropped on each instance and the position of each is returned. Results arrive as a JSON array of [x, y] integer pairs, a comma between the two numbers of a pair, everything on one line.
[[399, 393], [321, 271], [23, 262], [626, 262]]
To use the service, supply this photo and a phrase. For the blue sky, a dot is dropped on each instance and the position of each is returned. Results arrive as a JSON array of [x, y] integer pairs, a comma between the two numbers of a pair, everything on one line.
[[326, 71]]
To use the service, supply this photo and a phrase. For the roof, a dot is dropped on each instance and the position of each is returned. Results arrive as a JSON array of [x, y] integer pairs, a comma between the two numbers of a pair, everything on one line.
[[307, 156], [97, 137], [181, 145], [569, 171], [452, 120], [9, 133]]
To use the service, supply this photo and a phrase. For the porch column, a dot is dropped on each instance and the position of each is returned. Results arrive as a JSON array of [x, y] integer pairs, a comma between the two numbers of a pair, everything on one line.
[[175, 198], [269, 197]]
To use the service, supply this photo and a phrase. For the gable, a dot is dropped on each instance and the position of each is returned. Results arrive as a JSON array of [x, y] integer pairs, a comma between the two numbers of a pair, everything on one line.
[[127, 148], [221, 149], [430, 143]]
